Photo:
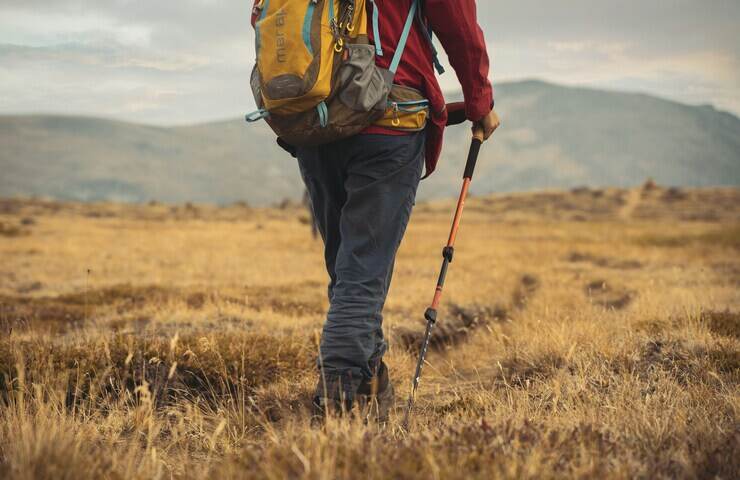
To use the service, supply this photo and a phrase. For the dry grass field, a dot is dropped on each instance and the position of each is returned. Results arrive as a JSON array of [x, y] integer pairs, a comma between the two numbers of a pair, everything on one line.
[[590, 333]]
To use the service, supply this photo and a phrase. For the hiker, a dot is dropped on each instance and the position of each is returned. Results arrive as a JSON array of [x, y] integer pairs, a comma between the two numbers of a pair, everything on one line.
[[362, 186]]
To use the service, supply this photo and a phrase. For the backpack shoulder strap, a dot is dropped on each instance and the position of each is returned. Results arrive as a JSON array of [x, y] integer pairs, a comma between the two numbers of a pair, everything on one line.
[[404, 37], [429, 36], [376, 30]]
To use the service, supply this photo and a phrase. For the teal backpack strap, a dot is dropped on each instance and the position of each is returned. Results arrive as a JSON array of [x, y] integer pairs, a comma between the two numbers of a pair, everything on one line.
[[323, 112], [404, 37], [257, 115], [376, 30]]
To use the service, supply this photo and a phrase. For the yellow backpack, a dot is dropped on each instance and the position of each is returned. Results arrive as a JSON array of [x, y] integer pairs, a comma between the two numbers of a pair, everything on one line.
[[315, 80]]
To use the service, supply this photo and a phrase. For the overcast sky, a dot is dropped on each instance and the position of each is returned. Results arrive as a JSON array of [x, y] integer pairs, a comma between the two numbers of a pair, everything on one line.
[[186, 61]]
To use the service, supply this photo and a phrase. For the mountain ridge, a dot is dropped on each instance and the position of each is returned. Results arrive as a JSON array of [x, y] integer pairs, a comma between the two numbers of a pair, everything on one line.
[[552, 136]]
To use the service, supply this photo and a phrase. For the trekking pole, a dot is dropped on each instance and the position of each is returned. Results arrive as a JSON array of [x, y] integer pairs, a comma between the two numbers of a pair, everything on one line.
[[447, 253]]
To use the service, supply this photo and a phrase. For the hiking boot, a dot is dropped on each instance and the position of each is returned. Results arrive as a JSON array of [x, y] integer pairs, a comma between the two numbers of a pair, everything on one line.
[[335, 395], [376, 397]]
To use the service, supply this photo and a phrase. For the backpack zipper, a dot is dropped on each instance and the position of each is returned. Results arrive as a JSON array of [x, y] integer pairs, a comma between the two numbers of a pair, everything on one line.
[[410, 106]]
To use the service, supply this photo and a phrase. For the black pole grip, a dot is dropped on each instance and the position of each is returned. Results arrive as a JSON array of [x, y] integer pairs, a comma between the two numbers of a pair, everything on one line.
[[456, 113], [472, 158]]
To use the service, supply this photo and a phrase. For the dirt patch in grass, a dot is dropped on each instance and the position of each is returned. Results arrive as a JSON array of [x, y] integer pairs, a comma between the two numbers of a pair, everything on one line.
[[11, 231], [522, 371], [62, 313], [125, 297], [721, 323], [724, 237], [208, 366], [608, 295], [654, 326], [459, 321], [605, 262], [276, 402], [452, 328], [687, 366], [671, 356], [726, 324], [196, 301], [305, 298], [528, 285], [728, 272], [29, 287], [725, 360], [464, 320], [43, 315]]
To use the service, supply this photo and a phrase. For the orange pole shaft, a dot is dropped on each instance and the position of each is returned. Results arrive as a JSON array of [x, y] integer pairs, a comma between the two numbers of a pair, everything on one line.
[[453, 233], [458, 212], [437, 298]]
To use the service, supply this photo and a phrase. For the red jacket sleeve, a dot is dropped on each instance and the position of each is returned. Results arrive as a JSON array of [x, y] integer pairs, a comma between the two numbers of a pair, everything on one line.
[[255, 12], [455, 23]]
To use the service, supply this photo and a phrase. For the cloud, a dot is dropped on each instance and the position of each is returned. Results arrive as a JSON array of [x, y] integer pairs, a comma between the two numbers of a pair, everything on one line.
[[35, 28], [707, 76], [587, 47], [104, 55]]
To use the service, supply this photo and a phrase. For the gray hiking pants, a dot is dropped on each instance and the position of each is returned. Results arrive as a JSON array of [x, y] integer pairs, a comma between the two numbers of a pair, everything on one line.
[[362, 190]]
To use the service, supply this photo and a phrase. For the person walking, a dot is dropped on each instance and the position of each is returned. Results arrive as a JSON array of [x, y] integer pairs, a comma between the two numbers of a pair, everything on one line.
[[362, 187]]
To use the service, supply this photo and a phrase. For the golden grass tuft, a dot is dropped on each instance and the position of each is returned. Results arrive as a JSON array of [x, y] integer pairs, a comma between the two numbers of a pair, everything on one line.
[[583, 334]]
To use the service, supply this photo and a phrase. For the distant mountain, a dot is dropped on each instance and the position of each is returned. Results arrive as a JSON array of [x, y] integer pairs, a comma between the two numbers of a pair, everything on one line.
[[551, 137]]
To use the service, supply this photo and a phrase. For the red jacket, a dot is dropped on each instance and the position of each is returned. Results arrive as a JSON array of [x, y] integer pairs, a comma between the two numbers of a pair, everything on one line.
[[455, 24]]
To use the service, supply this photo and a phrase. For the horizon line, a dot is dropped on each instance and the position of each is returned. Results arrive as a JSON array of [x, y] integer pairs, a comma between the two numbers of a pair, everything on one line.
[[447, 93]]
